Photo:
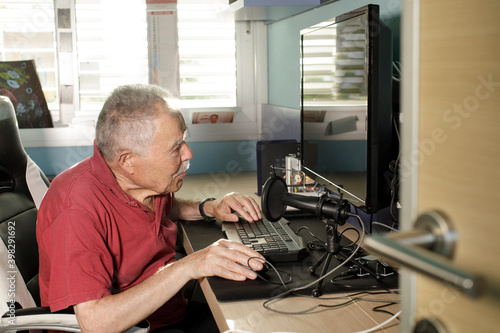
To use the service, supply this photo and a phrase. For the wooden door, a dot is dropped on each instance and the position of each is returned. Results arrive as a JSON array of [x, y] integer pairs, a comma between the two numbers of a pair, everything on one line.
[[455, 102]]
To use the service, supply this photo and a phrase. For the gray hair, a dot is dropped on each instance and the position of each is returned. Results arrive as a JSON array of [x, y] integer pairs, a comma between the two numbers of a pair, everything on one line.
[[127, 119]]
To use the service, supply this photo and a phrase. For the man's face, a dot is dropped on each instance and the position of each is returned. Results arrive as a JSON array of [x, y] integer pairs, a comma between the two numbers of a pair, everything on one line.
[[162, 169]]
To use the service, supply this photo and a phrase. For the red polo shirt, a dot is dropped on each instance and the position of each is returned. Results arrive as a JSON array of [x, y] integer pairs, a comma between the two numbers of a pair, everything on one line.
[[95, 240]]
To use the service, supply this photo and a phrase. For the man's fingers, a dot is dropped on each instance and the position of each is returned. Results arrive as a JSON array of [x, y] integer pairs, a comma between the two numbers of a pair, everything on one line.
[[257, 209], [238, 252], [236, 256], [252, 208], [243, 205], [236, 271]]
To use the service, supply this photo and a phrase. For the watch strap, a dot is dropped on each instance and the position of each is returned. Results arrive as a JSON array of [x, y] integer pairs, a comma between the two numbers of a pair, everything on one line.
[[200, 207]]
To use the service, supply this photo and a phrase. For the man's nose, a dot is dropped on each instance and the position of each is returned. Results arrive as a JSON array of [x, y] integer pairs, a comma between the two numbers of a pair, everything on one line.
[[187, 153]]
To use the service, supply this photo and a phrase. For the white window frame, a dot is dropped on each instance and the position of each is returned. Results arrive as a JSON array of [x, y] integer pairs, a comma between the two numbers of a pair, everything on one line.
[[251, 82], [251, 44], [36, 20]]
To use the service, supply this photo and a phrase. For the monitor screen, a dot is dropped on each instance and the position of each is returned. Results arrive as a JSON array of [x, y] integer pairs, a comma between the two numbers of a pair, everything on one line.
[[346, 106]]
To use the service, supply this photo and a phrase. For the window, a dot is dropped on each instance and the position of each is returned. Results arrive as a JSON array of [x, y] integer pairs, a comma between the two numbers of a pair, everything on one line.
[[109, 47], [28, 32], [112, 50], [111, 44], [207, 54]]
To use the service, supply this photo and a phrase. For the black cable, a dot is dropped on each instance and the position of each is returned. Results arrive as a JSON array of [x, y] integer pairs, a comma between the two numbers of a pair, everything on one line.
[[277, 271], [312, 245], [349, 300], [354, 242], [307, 228], [379, 308], [290, 291], [267, 304], [394, 167]]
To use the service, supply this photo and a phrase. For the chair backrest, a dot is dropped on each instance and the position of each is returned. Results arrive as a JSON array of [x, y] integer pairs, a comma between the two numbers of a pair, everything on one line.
[[22, 187]]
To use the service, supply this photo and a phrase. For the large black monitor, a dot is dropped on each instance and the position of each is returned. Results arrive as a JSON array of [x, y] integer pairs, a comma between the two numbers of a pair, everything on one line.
[[346, 106]]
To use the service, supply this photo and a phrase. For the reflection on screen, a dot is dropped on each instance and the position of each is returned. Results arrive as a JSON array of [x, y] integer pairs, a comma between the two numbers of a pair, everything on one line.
[[335, 94], [335, 63]]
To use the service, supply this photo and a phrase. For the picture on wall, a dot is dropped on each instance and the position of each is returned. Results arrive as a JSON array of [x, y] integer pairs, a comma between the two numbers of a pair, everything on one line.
[[213, 117], [20, 83]]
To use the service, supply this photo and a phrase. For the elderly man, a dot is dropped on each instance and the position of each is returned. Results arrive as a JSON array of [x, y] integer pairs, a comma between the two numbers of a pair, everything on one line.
[[105, 231]]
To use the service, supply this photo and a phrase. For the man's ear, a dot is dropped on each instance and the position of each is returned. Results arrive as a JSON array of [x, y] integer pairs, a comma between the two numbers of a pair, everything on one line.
[[126, 159]]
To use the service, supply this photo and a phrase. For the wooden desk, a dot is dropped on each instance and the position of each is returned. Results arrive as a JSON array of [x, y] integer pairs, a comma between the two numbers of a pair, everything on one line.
[[251, 315]]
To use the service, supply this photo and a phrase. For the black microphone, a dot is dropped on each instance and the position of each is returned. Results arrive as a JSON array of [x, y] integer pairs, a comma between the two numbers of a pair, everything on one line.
[[275, 199]]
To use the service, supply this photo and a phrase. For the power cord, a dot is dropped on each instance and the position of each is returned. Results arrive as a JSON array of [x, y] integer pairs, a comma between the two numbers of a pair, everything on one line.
[[349, 299], [290, 291]]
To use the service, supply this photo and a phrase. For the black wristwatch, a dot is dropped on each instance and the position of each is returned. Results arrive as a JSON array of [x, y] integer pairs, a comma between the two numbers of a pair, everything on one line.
[[202, 212]]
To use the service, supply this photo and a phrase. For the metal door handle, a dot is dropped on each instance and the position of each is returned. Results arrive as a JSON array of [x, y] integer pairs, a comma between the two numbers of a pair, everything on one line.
[[426, 250]]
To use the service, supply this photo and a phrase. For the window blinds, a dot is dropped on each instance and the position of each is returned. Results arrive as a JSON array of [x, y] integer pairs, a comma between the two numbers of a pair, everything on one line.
[[112, 49], [207, 52], [28, 32]]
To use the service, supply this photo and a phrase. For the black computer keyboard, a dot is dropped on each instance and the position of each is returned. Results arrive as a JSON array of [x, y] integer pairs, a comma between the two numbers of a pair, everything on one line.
[[274, 240]]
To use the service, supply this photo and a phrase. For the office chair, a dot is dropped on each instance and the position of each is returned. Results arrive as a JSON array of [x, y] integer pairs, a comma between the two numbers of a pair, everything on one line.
[[22, 187]]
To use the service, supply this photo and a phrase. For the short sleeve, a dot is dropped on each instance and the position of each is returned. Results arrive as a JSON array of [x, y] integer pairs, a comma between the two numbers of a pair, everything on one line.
[[80, 267]]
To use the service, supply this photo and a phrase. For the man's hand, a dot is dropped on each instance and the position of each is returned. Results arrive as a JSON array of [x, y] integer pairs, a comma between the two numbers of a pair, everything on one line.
[[225, 259], [118, 312], [225, 209]]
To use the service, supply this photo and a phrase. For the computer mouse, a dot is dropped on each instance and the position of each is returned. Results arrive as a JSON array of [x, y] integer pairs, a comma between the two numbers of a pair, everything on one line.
[[265, 267]]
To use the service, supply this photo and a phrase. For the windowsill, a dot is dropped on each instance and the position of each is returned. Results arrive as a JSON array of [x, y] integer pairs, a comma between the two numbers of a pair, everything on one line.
[[245, 127], [74, 136], [58, 137], [82, 136]]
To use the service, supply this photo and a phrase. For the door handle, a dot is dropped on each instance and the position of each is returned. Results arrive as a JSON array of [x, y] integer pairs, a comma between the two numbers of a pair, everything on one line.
[[427, 249]]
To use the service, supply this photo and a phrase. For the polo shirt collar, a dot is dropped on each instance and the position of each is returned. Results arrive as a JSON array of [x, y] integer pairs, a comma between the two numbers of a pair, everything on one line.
[[103, 173]]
